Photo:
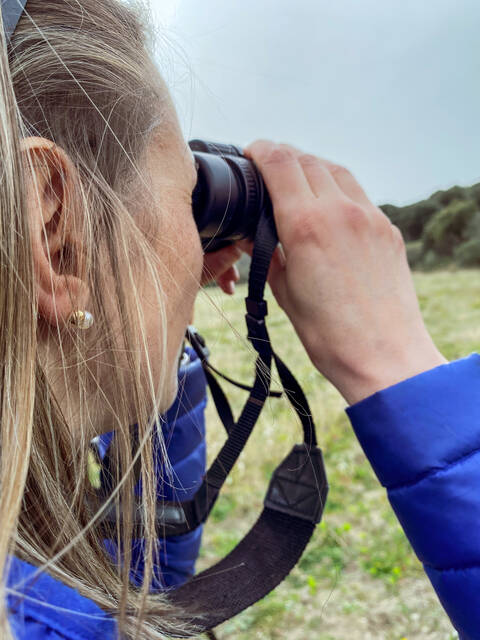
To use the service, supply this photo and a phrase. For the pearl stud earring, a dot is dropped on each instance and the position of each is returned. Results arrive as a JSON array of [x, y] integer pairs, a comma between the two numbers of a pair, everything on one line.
[[81, 319]]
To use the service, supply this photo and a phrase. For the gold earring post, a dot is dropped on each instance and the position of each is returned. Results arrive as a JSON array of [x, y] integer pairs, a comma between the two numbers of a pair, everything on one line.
[[81, 319]]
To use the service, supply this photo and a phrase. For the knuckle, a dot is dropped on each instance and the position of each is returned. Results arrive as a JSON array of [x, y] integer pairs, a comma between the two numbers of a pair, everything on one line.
[[339, 170], [380, 224], [398, 237], [308, 159], [354, 215], [261, 141], [307, 224], [306, 231], [258, 147], [278, 155], [288, 147]]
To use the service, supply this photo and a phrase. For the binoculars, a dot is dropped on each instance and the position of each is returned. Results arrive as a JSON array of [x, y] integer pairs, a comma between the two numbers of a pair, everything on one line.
[[229, 196]]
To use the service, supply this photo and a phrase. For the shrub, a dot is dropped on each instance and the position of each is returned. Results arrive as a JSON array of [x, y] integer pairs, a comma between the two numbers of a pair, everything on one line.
[[449, 227], [390, 210], [411, 220], [421, 216], [467, 254], [432, 260], [445, 198], [475, 193], [414, 253]]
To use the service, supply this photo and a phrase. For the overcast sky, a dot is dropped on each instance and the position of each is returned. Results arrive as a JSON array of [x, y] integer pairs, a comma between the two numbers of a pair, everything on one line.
[[389, 88]]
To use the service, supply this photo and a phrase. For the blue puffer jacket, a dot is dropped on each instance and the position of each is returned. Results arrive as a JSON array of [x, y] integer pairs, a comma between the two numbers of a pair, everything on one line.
[[422, 437], [184, 437]]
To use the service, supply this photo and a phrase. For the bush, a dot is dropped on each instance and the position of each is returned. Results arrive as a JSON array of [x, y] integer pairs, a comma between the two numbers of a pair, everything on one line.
[[390, 210], [449, 227], [421, 216], [414, 253], [467, 254], [432, 260], [445, 198], [411, 220], [475, 193]]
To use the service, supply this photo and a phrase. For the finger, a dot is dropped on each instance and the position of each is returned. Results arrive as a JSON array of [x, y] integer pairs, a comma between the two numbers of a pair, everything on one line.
[[283, 175], [216, 263], [232, 274], [321, 181], [228, 279], [316, 170], [328, 194], [342, 177], [246, 246], [347, 183], [227, 287]]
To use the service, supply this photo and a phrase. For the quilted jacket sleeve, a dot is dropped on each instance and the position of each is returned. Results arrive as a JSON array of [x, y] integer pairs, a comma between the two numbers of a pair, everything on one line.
[[422, 438]]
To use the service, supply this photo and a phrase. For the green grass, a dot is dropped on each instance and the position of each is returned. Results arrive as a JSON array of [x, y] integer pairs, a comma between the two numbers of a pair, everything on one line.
[[358, 577]]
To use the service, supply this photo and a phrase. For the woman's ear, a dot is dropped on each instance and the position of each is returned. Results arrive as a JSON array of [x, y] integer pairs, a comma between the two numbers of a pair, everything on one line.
[[50, 179]]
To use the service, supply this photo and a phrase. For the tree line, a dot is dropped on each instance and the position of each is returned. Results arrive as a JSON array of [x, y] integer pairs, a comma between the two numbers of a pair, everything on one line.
[[442, 230]]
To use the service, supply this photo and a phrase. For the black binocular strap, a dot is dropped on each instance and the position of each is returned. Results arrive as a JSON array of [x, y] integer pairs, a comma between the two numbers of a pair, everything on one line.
[[220, 400], [264, 557]]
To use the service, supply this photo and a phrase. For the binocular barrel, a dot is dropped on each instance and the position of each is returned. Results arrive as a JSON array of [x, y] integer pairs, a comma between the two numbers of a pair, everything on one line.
[[229, 196]]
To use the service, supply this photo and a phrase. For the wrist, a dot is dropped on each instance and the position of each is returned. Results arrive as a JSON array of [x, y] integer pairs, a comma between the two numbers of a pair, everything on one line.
[[364, 380]]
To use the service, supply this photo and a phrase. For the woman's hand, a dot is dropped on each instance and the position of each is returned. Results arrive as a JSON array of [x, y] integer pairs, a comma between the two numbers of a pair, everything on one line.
[[343, 276], [220, 266]]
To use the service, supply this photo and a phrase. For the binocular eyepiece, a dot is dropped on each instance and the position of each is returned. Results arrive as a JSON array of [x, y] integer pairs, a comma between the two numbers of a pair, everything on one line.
[[229, 196]]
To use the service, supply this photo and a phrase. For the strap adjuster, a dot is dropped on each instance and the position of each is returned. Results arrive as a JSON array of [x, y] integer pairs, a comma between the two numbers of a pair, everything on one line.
[[256, 309], [256, 328], [198, 343], [255, 319]]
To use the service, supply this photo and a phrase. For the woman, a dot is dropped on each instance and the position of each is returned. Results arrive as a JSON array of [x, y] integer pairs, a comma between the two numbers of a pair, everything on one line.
[[99, 221], [97, 224]]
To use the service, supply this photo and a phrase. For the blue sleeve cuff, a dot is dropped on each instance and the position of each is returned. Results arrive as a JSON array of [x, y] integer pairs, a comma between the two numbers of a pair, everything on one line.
[[421, 424]]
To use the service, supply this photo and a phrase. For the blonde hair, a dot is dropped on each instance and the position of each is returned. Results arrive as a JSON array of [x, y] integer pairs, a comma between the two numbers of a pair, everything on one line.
[[79, 73]]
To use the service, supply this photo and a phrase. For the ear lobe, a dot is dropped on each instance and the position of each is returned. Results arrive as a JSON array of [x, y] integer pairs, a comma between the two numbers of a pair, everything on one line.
[[49, 177], [58, 298]]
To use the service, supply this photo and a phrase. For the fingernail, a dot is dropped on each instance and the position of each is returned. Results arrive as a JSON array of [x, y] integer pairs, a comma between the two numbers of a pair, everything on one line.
[[231, 287]]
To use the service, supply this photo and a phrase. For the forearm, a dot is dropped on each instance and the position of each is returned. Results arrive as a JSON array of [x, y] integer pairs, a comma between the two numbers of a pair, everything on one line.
[[361, 377]]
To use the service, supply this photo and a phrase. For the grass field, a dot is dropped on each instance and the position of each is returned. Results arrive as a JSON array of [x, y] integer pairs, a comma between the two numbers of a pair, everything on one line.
[[358, 578]]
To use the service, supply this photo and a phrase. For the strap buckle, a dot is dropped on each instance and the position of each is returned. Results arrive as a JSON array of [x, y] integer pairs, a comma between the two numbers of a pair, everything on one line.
[[198, 343], [256, 309], [255, 319]]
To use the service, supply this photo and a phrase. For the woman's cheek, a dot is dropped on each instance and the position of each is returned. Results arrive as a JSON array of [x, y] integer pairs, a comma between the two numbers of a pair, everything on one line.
[[197, 251]]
